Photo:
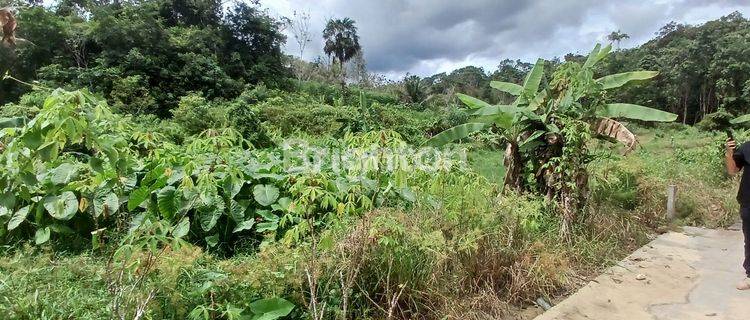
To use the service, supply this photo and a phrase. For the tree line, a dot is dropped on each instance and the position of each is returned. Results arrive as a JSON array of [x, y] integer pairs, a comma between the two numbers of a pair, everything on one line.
[[703, 69], [145, 55]]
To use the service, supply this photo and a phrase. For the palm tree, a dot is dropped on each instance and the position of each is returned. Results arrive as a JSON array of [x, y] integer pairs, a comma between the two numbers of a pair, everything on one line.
[[617, 36], [341, 42]]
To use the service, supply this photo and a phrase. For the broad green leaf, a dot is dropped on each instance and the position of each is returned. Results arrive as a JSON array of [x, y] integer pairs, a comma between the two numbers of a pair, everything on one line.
[[493, 110], [503, 120], [458, 132], [267, 226], [534, 78], [213, 240], [209, 218], [7, 203], [137, 197], [507, 87], [740, 119], [107, 203], [153, 175], [537, 100], [176, 175], [596, 55], [61, 228], [634, 111], [591, 60], [62, 207], [17, 122], [96, 164], [41, 236], [265, 194], [284, 204], [166, 200], [267, 215], [237, 210], [182, 228], [620, 79], [407, 194], [48, 151], [471, 102], [136, 222], [244, 225], [18, 217], [232, 186], [532, 137], [63, 174], [271, 309]]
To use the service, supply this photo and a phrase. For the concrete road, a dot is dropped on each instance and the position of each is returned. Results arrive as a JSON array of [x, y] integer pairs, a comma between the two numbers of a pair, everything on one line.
[[680, 275]]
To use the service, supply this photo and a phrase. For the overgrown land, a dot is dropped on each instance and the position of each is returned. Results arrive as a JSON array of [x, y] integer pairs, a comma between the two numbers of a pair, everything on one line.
[[165, 160]]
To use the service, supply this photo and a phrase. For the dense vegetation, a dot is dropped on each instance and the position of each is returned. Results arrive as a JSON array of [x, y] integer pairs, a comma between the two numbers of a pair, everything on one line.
[[163, 159]]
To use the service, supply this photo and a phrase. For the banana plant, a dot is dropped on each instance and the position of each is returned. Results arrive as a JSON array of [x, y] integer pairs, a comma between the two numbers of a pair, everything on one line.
[[536, 117], [511, 122]]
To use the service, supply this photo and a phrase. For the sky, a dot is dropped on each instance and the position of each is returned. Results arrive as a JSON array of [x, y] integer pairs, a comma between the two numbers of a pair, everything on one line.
[[425, 37]]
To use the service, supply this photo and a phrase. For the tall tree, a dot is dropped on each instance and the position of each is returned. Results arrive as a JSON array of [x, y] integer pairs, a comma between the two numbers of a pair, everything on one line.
[[341, 42], [617, 36], [299, 26]]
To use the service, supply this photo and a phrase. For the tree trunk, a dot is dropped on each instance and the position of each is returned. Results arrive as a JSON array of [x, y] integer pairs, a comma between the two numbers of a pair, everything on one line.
[[512, 163], [342, 77]]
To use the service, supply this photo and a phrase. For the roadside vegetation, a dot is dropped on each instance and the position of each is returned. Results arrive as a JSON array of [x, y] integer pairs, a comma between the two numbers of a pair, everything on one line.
[[195, 172]]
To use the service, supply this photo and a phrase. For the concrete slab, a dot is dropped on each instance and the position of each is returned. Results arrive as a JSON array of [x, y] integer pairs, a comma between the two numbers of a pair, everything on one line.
[[680, 275]]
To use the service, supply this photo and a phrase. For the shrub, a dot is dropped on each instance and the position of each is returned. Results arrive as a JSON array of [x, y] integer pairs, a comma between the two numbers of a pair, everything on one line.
[[28, 106], [718, 120], [131, 95], [195, 114]]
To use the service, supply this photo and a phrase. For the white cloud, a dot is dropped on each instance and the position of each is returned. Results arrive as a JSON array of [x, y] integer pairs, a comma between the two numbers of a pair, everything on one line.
[[426, 37]]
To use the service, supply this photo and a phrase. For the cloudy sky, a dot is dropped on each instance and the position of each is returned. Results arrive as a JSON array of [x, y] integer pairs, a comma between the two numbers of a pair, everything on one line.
[[425, 37]]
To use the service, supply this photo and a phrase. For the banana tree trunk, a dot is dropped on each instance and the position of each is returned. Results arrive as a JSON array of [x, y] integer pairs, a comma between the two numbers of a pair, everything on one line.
[[572, 202], [513, 164]]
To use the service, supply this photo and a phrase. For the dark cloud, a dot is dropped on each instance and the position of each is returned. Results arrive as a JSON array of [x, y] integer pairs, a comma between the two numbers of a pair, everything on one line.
[[417, 35]]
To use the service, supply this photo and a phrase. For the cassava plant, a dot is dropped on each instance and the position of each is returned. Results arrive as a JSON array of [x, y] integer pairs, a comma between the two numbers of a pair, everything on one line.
[[547, 128]]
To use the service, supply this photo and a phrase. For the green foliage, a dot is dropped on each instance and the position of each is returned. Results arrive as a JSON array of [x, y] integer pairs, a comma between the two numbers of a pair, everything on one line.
[[548, 128], [719, 120], [76, 168], [146, 55], [196, 115]]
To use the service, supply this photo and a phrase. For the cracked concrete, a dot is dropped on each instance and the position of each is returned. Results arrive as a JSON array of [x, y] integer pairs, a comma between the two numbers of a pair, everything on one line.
[[688, 275]]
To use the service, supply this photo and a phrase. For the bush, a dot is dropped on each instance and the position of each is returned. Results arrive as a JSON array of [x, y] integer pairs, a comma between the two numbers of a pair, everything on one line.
[[243, 118], [718, 120], [27, 107], [131, 95], [195, 114], [315, 119]]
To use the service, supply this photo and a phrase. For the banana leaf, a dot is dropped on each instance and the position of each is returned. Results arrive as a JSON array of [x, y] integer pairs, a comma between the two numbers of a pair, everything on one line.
[[507, 87], [597, 54], [534, 78], [471, 102], [740, 119], [458, 132], [620, 79], [493, 110], [634, 111]]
